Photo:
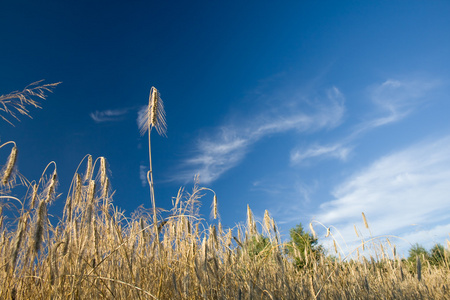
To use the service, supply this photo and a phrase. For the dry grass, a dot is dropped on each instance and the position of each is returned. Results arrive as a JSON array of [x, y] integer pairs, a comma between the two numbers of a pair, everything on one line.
[[96, 252]]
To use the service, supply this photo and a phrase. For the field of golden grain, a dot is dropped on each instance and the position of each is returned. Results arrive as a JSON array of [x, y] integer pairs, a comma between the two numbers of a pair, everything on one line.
[[94, 251]]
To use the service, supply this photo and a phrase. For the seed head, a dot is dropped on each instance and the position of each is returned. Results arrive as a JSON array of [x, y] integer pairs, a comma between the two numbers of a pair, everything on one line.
[[419, 268], [102, 171], [87, 176], [39, 226], [17, 242], [154, 115], [9, 167], [250, 222], [51, 187], [215, 207], [365, 221], [356, 231], [105, 188], [78, 186], [91, 191], [34, 195], [312, 230], [267, 223]]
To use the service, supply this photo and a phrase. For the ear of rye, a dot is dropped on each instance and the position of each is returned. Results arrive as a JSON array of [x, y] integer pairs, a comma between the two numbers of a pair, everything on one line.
[[155, 115], [6, 174]]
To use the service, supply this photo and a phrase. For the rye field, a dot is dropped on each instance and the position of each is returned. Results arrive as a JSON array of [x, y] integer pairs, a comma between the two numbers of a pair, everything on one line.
[[94, 251]]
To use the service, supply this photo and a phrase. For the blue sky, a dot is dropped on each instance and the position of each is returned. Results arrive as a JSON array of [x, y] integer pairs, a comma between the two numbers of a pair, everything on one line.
[[314, 110]]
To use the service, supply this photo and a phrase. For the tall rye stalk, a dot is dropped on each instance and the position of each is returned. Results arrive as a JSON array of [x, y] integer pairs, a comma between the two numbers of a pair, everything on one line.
[[154, 117], [95, 252]]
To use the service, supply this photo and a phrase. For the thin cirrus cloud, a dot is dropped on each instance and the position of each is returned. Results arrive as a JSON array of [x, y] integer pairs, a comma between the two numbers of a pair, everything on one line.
[[226, 147], [393, 99], [143, 175], [338, 151], [109, 115], [398, 193]]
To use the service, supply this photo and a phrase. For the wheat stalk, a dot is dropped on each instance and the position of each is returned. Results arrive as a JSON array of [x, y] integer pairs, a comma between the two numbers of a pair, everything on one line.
[[154, 117]]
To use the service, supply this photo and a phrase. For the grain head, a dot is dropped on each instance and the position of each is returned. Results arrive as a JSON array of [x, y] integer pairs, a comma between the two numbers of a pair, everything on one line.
[[7, 170], [155, 115]]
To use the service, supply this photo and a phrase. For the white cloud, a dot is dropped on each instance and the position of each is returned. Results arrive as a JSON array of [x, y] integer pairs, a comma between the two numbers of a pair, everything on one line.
[[429, 237], [395, 94], [216, 157], [110, 115], [143, 175], [396, 191], [286, 195], [335, 151], [394, 100], [142, 114], [228, 145]]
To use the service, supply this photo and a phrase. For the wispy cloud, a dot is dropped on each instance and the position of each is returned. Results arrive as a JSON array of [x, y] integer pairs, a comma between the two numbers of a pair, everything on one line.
[[286, 194], [335, 151], [397, 193], [393, 99], [429, 236], [110, 115], [142, 114], [225, 148], [143, 175]]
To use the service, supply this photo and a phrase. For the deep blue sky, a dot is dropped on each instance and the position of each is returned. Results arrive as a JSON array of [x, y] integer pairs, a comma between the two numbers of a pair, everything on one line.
[[314, 110]]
